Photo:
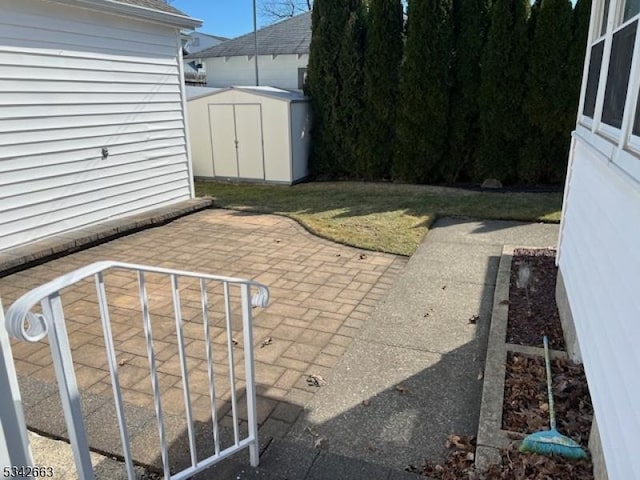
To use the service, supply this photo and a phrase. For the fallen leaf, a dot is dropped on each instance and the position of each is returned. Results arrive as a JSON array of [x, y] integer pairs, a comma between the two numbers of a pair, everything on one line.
[[366, 403], [234, 340], [444, 287], [371, 446], [480, 374], [504, 302], [401, 389], [338, 255], [320, 441], [122, 363], [315, 380], [474, 319], [278, 240], [362, 256], [266, 341], [311, 431], [471, 456], [426, 315]]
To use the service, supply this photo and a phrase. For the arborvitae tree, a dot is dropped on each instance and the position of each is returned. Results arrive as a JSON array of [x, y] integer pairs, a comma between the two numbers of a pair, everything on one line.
[[550, 95], [334, 83], [424, 93], [383, 54], [349, 118], [471, 23], [502, 90]]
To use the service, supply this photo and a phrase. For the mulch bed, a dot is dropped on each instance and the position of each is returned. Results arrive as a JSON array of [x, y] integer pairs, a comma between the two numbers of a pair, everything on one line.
[[526, 408], [532, 307]]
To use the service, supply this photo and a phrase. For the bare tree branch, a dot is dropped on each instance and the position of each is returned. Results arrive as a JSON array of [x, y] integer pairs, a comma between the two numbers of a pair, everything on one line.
[[275, 10]]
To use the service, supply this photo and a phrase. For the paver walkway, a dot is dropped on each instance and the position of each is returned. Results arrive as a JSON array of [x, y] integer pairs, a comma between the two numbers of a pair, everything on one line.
[[321, 295]]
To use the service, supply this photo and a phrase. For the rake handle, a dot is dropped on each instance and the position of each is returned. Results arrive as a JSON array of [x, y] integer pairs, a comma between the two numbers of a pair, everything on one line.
[[547, 363]]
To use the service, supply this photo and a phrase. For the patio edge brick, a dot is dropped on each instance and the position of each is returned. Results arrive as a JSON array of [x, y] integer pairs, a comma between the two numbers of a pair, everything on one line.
[[19, 258]]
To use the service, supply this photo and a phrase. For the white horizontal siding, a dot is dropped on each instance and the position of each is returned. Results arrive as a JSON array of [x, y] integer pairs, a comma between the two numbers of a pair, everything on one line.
[[73, 81], [280, 72], [600, 264], [36, 24]]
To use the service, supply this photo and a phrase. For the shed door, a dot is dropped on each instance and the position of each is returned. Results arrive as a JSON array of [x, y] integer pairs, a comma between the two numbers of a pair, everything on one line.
[[249, 137], [223, 140], [236, 139]]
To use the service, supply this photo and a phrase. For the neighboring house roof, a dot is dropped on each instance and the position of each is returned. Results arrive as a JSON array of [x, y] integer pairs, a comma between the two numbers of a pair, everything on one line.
[[215, 37], [291, 36]]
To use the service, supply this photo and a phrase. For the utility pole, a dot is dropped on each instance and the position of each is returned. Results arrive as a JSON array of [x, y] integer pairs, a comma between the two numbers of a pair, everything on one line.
[[255, 41]]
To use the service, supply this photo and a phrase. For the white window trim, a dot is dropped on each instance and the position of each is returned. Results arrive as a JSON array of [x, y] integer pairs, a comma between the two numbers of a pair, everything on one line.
[[623, 146], [629, 140], [594, 22]]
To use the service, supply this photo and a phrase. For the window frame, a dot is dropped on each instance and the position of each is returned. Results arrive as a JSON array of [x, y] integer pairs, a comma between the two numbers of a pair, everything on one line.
[[622, 137]]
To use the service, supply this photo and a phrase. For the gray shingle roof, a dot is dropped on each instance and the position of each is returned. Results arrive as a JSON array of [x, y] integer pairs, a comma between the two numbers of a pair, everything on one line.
[[291, 36], [155, 5]]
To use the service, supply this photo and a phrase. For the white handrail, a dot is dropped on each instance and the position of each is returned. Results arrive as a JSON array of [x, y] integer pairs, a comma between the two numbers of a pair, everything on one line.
[[35, 329], [25, 325]]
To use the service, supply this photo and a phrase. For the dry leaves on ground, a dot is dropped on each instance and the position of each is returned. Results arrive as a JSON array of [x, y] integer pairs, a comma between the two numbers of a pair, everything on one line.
[[526, 407]]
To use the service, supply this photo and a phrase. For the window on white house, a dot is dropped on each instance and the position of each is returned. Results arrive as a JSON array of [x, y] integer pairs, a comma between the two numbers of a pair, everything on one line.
[[595, 64], [605, 16], [593, 78], [631, 9], [636, 121], [618, 75], [302, 77]]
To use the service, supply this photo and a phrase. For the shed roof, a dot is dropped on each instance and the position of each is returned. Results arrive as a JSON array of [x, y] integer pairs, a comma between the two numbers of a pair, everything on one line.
[[291, 36], [271, 92]]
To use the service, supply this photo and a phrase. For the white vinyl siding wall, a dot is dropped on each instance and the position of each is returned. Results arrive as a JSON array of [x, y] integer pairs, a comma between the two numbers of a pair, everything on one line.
[[72, 82], [280, 71], [600, 263]]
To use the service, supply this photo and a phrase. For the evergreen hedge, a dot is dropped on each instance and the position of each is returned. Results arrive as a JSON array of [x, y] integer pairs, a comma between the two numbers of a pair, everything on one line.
[[471, 24], [502, 90], [423, 104], [383, 54], [549, 102], [335, 83], [470, 92]]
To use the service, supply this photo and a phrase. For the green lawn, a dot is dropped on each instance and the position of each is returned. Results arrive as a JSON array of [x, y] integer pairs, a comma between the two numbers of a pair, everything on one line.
[[379, 216]]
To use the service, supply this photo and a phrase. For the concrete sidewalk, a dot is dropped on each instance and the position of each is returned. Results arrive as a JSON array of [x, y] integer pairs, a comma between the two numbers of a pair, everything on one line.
[[413, 374]]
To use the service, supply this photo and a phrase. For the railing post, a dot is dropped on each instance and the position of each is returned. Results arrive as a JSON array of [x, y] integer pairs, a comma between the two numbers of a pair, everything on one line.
[[14, 443], [69, 395], [252, 415]]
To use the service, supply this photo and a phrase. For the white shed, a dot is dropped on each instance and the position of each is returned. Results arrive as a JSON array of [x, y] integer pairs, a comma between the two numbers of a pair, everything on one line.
[[258, 134], [92, 113]]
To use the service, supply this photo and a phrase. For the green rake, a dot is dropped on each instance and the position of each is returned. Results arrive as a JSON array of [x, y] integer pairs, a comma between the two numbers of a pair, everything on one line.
[[551, 442]]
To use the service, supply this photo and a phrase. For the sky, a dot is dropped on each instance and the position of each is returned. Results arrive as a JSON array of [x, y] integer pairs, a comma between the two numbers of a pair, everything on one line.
[[226, 18]]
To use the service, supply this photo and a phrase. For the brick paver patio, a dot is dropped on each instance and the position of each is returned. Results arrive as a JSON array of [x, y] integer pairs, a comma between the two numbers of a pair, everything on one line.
[[321, 294]]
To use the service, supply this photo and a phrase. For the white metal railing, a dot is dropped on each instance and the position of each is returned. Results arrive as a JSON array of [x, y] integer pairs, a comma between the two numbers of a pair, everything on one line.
[[25, 325]]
